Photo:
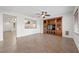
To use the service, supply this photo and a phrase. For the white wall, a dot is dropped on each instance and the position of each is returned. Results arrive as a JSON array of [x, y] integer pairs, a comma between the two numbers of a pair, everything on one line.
[[67, 24], [1, 27], [21, 31]]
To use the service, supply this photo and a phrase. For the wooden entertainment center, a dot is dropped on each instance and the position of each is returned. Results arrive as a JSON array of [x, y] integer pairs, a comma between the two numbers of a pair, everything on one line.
[[53, 26]]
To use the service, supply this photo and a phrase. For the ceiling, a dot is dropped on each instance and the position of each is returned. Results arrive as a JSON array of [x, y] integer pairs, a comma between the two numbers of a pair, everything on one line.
[[33, 10]]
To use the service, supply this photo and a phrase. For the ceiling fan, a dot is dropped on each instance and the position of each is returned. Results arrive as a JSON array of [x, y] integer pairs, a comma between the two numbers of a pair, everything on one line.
[[43, 14]]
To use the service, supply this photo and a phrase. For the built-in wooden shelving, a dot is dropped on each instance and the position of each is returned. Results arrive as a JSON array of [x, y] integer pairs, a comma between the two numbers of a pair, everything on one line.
[[53, 26]]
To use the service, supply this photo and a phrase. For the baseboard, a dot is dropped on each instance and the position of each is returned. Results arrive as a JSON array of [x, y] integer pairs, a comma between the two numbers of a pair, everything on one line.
[[26, 35], [68, 36]]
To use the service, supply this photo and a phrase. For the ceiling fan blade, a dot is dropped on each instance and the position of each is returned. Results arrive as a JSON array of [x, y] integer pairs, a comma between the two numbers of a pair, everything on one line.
[[47, 15]]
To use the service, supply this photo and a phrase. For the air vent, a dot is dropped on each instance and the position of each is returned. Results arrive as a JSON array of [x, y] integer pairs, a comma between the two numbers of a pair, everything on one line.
[[67, 33]]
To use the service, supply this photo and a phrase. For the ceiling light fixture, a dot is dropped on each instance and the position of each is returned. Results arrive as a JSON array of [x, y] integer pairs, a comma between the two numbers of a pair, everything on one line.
[[43, 14]]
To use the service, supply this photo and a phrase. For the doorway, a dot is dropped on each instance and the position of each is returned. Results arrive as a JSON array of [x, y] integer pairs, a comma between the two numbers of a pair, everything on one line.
[[9, 30]]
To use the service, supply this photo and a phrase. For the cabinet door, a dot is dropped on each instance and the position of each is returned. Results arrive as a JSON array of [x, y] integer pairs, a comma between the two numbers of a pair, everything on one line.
[[58, 32]]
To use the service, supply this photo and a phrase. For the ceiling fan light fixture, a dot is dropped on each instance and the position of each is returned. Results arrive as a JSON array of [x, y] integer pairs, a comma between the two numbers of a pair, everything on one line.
[[45, 13], [43, 16], [42, 13]]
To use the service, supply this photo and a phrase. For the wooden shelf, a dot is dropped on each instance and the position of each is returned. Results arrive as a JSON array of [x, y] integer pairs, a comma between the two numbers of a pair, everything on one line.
[[54, 22]]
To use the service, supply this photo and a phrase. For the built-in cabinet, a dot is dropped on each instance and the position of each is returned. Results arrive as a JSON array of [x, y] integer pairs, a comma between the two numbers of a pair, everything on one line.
[[53, 26]]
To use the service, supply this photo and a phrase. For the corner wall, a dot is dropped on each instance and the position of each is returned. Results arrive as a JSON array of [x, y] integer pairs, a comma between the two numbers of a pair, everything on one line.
[[67, 24]]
